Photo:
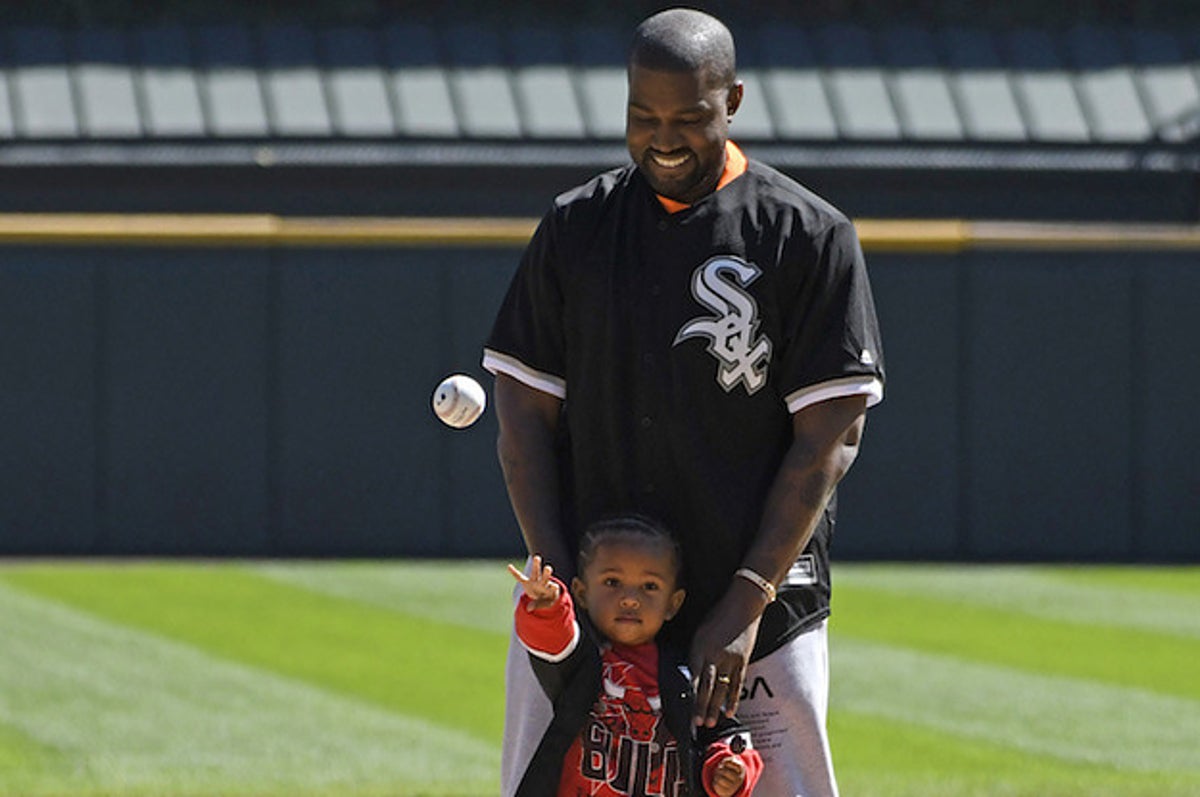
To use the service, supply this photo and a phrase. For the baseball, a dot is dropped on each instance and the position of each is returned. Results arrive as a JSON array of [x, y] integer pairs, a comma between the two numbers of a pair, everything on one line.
[[459, 401]]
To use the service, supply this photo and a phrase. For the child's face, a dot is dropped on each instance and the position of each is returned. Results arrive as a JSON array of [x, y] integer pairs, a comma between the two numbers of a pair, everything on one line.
[[628, 589]]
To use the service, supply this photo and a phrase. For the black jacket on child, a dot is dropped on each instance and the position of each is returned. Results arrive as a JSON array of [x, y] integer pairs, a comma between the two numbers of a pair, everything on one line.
[[573, 685]]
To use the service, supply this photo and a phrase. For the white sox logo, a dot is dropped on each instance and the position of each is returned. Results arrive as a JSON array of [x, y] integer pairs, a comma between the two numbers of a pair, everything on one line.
[[742, 353]]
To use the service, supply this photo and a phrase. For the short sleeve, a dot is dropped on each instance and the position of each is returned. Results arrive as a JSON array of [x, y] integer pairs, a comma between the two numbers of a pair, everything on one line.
[[833, 347], [526, 341]]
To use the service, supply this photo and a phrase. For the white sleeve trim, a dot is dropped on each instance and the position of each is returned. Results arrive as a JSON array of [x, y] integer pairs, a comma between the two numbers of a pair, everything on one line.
[[496, 363], [555, 658], [869, 386]]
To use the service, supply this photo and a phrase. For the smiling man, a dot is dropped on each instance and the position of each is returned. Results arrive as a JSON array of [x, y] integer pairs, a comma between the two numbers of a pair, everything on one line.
[[683, 93], [692, 337]]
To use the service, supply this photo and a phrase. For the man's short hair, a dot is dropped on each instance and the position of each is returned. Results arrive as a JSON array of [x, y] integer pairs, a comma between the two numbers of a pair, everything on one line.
[[686, 40]]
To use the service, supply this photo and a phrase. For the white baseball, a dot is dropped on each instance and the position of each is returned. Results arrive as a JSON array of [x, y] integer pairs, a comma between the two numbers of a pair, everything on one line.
[[459, 401]]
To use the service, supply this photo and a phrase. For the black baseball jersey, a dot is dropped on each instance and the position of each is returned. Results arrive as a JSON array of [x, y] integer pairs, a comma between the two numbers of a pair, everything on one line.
[[682, 343]]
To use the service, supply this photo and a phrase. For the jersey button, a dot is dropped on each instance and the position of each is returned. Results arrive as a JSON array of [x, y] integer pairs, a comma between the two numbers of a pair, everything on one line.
[[647, 421], [663, 224], [648, 358], [655, 290]]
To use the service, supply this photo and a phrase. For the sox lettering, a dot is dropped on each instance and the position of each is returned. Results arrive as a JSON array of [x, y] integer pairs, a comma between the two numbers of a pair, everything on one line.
[[733, 340]]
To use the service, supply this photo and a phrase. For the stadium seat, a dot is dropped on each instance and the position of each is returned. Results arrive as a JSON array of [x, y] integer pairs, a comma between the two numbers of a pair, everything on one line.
[[753, 120], [295, 97], [982, 86], [359, 101], [792, 84], [230, 82], [599, 58], [168, 83], [41, 84], [7, 124], [543, 83], [480, 84], [857, 89], [1044, 87], [419, 81], [108, 105], [1168, 82], [1106, 85], [924, 101]]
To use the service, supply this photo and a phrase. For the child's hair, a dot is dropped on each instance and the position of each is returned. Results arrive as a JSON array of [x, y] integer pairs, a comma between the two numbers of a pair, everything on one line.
[[629, 526]]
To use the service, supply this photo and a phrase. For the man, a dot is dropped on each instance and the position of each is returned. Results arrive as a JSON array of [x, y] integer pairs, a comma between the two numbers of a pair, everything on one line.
[[693, 336]]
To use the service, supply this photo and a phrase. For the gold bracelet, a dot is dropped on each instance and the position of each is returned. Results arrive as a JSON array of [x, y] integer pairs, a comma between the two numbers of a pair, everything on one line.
[[757, 580]]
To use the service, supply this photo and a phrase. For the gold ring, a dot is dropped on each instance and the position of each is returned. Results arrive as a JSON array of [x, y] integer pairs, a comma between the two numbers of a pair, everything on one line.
[[724, 679]]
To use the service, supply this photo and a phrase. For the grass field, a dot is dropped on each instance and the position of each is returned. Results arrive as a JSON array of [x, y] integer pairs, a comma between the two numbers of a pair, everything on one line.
[[372, 678]]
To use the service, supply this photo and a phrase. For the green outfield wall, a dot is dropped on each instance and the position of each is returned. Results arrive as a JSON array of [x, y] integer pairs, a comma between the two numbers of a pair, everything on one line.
[[256, 385]]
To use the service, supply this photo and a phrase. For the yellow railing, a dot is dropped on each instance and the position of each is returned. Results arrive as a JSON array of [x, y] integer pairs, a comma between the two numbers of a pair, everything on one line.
[[877, 235]]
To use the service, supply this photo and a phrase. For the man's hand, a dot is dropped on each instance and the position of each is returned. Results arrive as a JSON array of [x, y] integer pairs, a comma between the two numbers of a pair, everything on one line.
[[542, 590], [728, 777], [825, 441], [721, 650]]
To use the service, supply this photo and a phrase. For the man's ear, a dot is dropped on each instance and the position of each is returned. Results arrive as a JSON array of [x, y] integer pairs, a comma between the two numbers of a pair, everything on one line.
[[733, 100], [579, 592], [676, 601]]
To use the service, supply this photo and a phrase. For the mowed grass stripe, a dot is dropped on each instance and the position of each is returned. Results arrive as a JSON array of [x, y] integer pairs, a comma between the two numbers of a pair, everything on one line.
[[1107, 596], [130, 713], [26, 762], [877, 756], [471, 594], [441, 673], [1179, 579], [1119, 656], [1075, 720]]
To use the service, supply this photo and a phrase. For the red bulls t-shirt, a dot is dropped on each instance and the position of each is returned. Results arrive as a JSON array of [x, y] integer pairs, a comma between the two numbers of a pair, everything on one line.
[[625, 750]]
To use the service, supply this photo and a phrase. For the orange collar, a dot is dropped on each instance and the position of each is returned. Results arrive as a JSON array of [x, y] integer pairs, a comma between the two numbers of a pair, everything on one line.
[[735, 167]]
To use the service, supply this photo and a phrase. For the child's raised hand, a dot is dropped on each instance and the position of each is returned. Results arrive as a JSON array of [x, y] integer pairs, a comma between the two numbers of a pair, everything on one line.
[[728, 777], [542, 590]]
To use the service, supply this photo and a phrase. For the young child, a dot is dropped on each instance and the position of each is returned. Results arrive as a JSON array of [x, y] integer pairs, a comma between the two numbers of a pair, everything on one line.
[[622, 705]]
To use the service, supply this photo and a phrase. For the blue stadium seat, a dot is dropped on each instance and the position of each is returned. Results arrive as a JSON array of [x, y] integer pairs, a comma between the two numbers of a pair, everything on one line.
[[295, 97], [796, 94], [982, 86], [857, 90], [753, 121], [7, 123], [231, 89], [1105, 82], [543, 83], [41, 84], [480, 83], [599, 60], [420, 83], [1045, 88], [1169, 83], [104, 81], [360, 103], [168, 83], [924, 101]]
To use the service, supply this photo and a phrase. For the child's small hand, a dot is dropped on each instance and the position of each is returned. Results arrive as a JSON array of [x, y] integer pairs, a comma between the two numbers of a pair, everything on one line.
[[728, 777], [542, 590]]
